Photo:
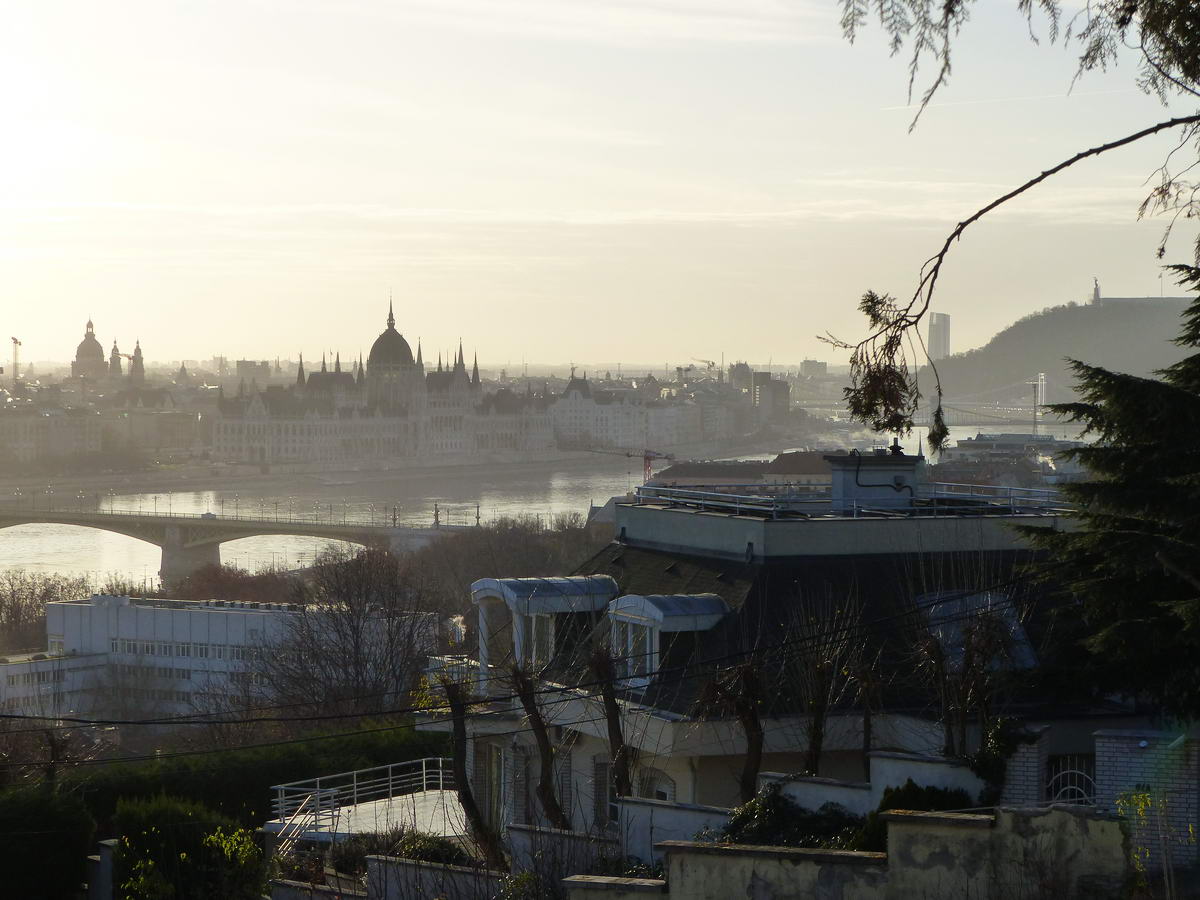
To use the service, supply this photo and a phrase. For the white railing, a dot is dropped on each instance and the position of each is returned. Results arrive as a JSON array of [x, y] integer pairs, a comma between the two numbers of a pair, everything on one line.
[[931, 499], [332, 792], [313, 812]]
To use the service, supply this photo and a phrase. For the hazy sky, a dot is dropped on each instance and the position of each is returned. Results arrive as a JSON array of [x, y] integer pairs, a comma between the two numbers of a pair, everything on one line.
[[549, 179]]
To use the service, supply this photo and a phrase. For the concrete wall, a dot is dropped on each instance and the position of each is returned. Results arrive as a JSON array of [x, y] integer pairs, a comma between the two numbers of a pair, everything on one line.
[[392, 878], [1163, 766], [813, 793], [712, 871], [1056, 853], [643, 823], [894, 769], [556, 854], [593, 887], [282, 889]]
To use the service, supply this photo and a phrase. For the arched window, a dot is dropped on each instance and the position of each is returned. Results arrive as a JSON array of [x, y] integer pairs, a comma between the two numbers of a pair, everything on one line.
[[655, 784]]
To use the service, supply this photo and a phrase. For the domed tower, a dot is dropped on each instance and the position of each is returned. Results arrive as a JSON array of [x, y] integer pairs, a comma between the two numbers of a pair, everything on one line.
[[394, 378], [114, 362], [89, 357]]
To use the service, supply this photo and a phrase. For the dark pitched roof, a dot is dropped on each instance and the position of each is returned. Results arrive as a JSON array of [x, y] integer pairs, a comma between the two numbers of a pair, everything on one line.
[[734, 470], [799, 462], [778, 610]]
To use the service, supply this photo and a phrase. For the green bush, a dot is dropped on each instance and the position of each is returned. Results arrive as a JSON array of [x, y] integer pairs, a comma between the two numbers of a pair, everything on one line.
[[45, 838], [873, 834], [174, 849], [350, 856], [774, 819], [237, 783]]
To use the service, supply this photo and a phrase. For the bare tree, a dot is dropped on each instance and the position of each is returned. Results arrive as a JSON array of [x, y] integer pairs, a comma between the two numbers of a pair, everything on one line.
[[822, 646], [523, 687], [485, 837], [356, 642], [604, 672], [737, 690]]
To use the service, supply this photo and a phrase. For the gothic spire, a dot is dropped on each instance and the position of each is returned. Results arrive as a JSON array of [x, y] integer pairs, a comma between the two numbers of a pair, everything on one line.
[[323, 369], [337, 362], [420, 362], [391, 317], [439, 361], [300, 372], [461, 363], [475, 371]]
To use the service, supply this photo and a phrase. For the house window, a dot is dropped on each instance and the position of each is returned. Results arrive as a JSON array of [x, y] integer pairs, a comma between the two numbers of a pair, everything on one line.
[[633, 649], [538, 640], [655, 784]]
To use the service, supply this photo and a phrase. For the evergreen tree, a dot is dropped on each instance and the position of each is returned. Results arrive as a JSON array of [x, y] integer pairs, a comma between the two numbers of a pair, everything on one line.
[[1133, 563]]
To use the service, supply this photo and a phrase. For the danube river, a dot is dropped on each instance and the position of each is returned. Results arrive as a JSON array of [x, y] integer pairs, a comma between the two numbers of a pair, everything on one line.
[[456, 495]]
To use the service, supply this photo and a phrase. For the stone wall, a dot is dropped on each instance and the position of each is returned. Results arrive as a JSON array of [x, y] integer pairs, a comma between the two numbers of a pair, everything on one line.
[[1055, 853], [645, 823]]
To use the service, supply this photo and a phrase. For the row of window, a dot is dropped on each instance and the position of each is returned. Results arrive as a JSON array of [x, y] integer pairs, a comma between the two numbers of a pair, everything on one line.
[[154, 672], [633, 645], [44, 676], [184, 650]]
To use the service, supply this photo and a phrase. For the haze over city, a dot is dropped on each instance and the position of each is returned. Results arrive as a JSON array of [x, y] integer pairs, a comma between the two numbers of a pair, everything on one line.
[[253, 179], [578, 449]]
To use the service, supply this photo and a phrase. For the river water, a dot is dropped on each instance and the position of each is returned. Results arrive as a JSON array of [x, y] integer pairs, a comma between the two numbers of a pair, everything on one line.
[[458, 495]]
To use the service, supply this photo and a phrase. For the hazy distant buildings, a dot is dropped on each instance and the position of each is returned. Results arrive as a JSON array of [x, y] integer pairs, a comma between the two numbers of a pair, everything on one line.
[[389, 408], [772, 397], [814, 368], [253, 370], [939, 336]]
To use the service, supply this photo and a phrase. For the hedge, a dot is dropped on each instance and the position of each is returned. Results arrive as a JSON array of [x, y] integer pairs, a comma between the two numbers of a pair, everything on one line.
[[45, 838], [237, 783]]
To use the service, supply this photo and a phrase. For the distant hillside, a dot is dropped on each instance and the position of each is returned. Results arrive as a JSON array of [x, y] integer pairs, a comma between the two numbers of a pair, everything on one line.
[[1124, 335]]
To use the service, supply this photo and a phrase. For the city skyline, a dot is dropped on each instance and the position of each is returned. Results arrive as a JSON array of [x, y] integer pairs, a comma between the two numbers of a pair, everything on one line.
[[601, 169]]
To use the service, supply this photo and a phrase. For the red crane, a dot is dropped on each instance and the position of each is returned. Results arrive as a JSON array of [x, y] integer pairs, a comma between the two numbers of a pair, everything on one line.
[[648, 458]]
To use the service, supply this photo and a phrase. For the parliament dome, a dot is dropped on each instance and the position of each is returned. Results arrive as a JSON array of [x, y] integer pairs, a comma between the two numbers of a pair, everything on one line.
[[390, 348]]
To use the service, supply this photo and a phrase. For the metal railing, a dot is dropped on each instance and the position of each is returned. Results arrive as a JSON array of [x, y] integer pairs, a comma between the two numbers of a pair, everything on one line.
[[314, 811], [332, 792], [66, 509], [929, 499]]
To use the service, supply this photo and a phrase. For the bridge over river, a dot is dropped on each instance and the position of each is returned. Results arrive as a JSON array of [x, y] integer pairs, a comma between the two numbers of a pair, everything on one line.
[[190, 541]]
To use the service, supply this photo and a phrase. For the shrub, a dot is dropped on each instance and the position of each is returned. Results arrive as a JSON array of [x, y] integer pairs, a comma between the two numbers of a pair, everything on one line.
[[774, 819], [873, 834], [45, 838], [176, 849], [350, 856]]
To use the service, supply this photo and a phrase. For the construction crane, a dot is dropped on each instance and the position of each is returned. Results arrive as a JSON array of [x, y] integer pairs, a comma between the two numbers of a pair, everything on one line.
[[648, 458], [711, 363], [16, 361]]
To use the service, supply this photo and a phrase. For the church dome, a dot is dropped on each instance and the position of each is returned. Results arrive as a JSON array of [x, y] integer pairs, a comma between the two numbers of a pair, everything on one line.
[[390, 348], [89, 349]]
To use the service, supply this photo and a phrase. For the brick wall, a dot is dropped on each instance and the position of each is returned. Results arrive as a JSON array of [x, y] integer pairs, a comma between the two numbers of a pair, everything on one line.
[[1165, 765], [1025, 777]]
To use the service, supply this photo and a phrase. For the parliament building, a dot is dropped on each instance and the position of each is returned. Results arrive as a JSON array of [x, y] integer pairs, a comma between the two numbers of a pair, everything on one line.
[[389, 408]]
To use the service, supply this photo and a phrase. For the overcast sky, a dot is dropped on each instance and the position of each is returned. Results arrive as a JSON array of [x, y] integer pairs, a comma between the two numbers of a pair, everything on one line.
[[548, 179]]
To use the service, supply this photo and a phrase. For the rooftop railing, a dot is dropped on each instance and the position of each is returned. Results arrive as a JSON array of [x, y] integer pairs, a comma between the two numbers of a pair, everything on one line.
[[929, 499], [330, 793]]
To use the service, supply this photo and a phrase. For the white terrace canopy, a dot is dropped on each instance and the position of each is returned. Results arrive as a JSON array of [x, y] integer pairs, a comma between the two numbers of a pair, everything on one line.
[[670, 612], [543, 596]]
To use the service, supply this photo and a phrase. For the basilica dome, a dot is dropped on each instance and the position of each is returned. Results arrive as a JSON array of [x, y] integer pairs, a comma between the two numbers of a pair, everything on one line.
[[390, 348], [89, 349]]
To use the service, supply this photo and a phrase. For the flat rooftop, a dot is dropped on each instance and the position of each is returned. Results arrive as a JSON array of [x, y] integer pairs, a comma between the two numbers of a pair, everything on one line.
[[167, 603], [939, 518]]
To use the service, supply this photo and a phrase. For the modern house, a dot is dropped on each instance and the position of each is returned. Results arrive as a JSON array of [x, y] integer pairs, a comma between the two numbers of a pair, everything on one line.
[[700, 585]]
